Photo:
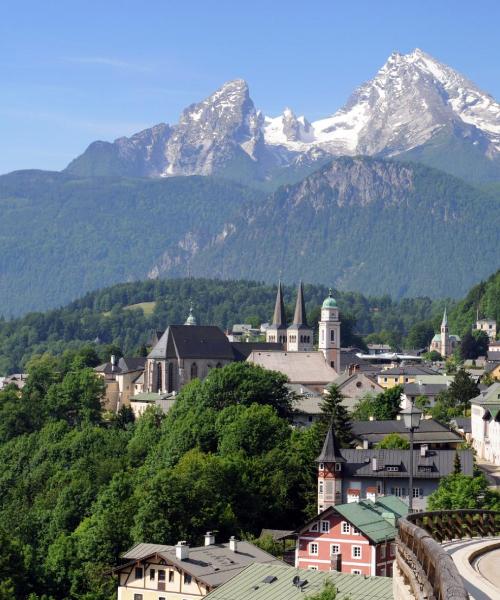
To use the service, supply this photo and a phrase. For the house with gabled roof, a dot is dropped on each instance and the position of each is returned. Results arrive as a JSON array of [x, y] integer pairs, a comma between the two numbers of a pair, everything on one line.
[[161, 572], [356, 538]]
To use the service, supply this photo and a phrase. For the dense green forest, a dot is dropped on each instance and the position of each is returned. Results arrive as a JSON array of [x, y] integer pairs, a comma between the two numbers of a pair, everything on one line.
[[375, 226], [75, 492], [102, 317], [61, 236]]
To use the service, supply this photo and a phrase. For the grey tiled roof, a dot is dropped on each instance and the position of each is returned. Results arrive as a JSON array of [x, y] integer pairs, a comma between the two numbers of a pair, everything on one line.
[[359, 463], [213, 565], [424, 389], [242, 350], [429, 431], [193, 341], [132, 363]]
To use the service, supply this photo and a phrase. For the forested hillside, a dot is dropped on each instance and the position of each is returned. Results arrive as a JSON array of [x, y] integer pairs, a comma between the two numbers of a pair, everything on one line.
[[109, 317], [483, 298], [61, 236], [374, 226], [76, 492]]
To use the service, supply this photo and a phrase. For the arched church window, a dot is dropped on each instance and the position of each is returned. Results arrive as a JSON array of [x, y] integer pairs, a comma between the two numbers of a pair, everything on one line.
[[332, 335], [194, 371], [159, 381], [170, 377]]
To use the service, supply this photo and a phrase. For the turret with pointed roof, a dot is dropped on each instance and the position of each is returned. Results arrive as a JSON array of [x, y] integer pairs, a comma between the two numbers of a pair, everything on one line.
[[300, 335], [276, 332], [330, 463], [330, 452]]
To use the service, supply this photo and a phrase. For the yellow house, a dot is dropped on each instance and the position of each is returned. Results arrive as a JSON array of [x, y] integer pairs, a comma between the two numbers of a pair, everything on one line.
[[400, 375], [160, 572]]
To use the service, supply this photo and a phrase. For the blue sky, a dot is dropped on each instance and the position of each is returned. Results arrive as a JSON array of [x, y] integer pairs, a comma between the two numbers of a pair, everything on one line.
[[74, 71]]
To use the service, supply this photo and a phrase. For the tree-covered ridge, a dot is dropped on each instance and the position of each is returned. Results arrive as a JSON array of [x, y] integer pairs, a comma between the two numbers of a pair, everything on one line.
[[102, 317], [61, 236], [77, 491], [372, 225], [368, 225], [483, 298]]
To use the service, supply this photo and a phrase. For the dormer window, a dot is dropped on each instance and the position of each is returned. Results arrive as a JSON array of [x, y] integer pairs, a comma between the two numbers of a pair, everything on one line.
[[393, 468]]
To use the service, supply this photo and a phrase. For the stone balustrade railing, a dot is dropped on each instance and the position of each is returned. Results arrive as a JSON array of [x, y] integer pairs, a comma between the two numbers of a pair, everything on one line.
[[424, 564]]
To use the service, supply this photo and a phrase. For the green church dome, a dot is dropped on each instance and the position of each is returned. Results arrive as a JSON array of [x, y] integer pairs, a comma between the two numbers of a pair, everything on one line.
[[330, 301]]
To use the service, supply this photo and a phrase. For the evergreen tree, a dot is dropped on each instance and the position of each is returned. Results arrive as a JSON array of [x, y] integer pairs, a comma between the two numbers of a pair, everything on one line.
[[457, 465], [336, 413], [463, 389]]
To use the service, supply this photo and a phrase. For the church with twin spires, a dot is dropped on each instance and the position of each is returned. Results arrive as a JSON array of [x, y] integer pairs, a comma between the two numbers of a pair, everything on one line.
[[298, 336]]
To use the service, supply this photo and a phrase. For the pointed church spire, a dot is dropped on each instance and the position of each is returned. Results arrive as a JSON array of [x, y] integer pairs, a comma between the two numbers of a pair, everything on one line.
[[300, 317], [444, 323], [330, 452], [279, 317]]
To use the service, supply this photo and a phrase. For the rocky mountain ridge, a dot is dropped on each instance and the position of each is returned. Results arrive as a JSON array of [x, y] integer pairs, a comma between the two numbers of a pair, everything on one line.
[[412, 101]]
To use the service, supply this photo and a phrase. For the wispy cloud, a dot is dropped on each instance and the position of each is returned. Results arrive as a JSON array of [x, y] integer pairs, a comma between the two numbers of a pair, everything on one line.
[[103, 128], [106, 61]]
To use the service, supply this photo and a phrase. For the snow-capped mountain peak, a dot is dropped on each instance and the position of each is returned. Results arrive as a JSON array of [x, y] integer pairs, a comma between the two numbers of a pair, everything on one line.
[[412, 100]]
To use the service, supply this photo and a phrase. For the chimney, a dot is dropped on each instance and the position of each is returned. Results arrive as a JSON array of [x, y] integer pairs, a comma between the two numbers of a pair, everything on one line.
[[423, 449], [182, 550], [233, 544], [365, 444], [209, 538], [374, 463]]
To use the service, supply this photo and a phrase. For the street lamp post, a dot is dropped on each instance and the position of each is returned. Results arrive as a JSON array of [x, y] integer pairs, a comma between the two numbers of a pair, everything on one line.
[[411, 417]]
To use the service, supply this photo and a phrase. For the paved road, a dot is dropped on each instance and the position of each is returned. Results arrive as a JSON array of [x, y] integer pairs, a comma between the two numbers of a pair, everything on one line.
[[488, 566], [482, 578]]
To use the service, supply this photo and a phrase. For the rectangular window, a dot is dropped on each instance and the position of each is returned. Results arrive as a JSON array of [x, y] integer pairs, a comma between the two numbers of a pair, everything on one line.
[[356, 551], [137, 596], [355, 571], [332, 335], [187, 579], [320, 487], [382, 551], [313, 548], [138, 572], [346, 527], [151, 574], [355, 531], [416, 492], [334, 549], [396, 491], [325, 526]]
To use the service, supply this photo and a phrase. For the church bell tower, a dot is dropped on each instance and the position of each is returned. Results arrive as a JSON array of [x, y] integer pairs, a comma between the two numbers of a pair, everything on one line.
[[329, 332]]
